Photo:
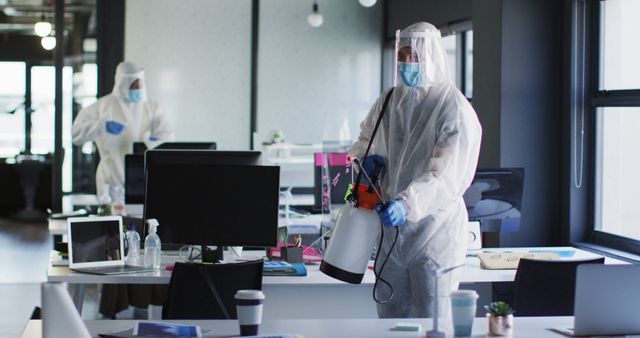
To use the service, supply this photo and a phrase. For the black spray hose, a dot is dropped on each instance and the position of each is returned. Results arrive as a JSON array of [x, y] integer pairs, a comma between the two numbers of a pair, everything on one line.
[[384, 206], [379, 275]]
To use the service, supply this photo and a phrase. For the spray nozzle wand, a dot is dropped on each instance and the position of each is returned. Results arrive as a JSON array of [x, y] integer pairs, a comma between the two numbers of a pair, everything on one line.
[[357, 162]]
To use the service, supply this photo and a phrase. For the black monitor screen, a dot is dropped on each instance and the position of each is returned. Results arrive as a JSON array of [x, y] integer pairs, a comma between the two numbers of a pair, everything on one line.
[[134, 179], [95, 241], [203, 203], [495, 199]]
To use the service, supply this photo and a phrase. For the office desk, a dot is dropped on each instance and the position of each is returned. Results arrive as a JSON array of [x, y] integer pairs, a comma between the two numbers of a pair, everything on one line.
[[524, 327], [316, 295]]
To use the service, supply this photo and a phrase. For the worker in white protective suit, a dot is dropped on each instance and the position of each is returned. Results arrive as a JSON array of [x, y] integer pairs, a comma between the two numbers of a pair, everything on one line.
[[116, 121], [429, 139]]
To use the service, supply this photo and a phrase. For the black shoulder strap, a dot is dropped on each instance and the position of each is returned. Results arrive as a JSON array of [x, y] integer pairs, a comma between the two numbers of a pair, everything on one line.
[[373, 135], [214, 290]]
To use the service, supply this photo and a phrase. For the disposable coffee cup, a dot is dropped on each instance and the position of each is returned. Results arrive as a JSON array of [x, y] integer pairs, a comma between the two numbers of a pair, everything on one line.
[[463, 308], [249, 308]]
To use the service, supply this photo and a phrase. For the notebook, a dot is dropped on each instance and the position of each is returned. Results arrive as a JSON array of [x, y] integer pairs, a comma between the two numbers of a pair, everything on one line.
[[96, 246]]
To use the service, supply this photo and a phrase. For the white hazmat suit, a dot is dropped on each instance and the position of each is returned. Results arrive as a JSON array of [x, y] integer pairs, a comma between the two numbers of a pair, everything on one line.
[[143, 122], [430, 140]]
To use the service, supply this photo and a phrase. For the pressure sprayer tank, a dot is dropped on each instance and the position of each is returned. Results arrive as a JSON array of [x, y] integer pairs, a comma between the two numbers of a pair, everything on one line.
[[347, 255]]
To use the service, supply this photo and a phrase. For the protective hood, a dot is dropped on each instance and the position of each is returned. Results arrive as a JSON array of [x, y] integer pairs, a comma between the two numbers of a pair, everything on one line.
[[126, 74], [428, 62]]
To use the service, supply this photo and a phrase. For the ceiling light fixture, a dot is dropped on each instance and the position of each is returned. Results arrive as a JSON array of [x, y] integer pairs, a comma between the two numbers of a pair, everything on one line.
[[42, 27], [48, 42], [9, 11], [367, 3], [315, 19]]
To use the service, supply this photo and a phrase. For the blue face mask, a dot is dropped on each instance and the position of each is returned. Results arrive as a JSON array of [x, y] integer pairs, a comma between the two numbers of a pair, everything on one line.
[[135, 95], [410, 73]]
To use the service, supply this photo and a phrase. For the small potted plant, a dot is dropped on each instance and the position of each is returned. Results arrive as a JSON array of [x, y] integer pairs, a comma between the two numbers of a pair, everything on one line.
[[500, 319]]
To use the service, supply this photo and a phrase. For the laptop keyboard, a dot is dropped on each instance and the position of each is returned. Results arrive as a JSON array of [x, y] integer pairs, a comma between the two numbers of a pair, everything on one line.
[[115, 269]]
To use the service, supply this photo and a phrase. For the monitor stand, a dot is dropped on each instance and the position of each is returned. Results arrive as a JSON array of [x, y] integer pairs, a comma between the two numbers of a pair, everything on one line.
[[212, 256]]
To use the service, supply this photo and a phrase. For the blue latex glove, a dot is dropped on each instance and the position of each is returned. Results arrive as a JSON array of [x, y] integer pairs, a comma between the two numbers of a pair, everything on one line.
[[114, 127], [371, 162], [394, 215]]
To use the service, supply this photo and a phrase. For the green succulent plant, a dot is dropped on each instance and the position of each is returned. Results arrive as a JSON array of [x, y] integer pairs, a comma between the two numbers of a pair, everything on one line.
[[499, 309]]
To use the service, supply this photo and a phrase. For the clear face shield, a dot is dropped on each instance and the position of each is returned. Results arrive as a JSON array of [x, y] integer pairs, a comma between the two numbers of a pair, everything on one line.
[[131, 86], [420, 59]]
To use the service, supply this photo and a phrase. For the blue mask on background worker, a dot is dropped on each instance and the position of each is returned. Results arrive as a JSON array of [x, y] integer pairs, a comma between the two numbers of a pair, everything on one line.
[[135, 95], [410, 73]]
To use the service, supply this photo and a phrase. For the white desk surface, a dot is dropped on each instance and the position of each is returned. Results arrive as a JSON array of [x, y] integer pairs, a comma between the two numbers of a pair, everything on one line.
[[524, 327], [471, 273]]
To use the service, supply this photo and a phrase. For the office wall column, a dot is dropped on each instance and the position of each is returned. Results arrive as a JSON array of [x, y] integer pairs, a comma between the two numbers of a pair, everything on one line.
[[255, 35], [27, 108], [58, 155], [110, 31]]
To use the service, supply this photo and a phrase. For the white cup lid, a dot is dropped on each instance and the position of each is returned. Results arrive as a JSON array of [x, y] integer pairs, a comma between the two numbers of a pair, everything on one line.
[[249, 294], [464, 294]]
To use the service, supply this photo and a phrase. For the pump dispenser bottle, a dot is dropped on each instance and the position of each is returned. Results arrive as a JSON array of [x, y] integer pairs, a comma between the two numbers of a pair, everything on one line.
[[152, 246]]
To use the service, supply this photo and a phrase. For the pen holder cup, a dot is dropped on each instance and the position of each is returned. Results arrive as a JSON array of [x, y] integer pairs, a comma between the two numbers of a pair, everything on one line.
[[292, 254]]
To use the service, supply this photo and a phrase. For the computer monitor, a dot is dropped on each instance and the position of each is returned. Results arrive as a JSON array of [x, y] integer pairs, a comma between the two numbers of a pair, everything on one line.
[[495, 199], [140, 147], [221, 198], [134, 179]]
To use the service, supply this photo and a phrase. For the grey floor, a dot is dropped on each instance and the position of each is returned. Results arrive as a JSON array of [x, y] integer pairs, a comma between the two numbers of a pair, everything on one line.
[[24, 258]]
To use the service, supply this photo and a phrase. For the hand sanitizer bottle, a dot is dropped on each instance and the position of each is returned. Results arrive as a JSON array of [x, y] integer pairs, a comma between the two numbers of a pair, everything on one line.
[[133, 241], [152, 246]]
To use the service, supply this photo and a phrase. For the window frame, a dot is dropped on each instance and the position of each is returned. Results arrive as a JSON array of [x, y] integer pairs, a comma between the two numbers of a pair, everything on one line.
[[459, 29], [582, 228]]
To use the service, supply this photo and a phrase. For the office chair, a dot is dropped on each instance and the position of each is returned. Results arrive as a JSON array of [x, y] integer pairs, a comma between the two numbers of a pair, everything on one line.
[[546, 288], [198, 291]]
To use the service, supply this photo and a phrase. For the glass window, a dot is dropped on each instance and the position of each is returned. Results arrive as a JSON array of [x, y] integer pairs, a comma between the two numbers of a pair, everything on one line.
[[468, 76], [43, 118], [12, 87], [618, 164], [450, 46], [619, 44]]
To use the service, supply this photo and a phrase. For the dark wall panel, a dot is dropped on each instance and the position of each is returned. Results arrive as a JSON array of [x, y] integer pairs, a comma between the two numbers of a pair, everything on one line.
[[531, 113], [487, 70]]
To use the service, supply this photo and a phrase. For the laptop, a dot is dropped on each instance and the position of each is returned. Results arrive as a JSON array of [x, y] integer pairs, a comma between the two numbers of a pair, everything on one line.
[[96, 246], [607, 301]]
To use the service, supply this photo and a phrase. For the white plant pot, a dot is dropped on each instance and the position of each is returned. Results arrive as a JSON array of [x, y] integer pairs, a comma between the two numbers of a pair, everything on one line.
[[500, 326]]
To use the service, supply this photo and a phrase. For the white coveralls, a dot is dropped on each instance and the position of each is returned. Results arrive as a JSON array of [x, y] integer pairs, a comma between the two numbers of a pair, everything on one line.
[[143, 122], [430, 140]]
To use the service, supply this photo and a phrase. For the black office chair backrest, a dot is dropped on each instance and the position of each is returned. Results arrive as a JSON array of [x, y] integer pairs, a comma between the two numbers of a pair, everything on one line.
[[546, 288], [191, 297]]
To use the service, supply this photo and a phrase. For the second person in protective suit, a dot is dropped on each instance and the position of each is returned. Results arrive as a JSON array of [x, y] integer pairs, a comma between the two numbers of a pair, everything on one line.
[[116, 121], [429, 140]]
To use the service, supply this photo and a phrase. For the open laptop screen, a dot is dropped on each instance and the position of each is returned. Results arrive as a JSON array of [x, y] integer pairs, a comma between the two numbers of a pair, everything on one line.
[[95, 241]]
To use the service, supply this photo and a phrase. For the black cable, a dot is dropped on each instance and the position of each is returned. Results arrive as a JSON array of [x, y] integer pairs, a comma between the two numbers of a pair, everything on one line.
[[493, 214], [375, 262]]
